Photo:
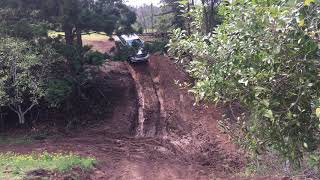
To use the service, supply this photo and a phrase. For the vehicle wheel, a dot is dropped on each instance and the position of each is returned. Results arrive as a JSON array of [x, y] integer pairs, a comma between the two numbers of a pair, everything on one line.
[[129, 61]]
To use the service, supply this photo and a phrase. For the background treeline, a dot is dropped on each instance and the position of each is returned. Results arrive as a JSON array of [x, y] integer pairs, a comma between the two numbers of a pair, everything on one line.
[[53, 74], [173, 14]]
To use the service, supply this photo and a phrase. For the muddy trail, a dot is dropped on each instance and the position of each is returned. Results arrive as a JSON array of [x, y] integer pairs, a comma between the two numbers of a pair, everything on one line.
[[155, 132]]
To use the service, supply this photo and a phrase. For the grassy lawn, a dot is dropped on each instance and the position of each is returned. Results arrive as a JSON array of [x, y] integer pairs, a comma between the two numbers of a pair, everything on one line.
[[95, 37], [88, 37], [14, 166]]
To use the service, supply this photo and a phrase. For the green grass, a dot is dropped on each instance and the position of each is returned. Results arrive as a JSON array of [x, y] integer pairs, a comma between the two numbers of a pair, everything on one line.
[[87, 37], [95, 37], [55, 33], [15, 166], [15, 140]]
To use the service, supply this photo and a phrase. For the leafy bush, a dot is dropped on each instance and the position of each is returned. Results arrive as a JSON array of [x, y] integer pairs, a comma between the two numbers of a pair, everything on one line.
[[79, 57], [25, 24], [157, 46], [26, 30], [95, 58], [71, 93], [265, 55], [57, 91], [23, 73]]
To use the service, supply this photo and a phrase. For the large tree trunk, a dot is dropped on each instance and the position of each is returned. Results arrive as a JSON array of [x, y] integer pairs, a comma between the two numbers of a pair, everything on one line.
[[144, 23], [211, 21], [21, 118], [68, 31], [68, 34], [20, 115], [205, 16], [152, 18], [189, 19], [79, 37]]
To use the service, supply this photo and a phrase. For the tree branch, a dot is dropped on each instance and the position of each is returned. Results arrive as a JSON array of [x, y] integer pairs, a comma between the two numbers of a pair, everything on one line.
[[30, 107], [12, 108], [297, 100]]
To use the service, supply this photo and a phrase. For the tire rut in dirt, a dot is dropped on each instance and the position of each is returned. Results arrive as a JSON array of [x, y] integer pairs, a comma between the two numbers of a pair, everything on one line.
[[192, 130], [149, 118]]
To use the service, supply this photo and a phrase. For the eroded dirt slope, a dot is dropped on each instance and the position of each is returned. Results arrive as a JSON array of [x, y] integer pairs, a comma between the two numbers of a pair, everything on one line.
[[193, 128], [155, 132]]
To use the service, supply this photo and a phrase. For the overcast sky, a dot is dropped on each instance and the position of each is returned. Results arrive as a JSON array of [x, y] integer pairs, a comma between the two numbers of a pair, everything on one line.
[[141, 2]]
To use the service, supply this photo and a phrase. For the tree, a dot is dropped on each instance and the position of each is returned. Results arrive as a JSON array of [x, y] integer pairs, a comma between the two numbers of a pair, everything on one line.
[[173, 7], [27, 51], [22, 19], [146, 16], [211, 17], [182, 9], [75, 17], [23, 75]]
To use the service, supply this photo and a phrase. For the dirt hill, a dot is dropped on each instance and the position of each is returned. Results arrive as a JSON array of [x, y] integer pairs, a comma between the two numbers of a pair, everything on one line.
[[155, 132]]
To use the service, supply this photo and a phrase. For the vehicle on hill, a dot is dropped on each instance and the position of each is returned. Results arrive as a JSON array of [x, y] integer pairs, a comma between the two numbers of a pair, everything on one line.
[[133, 48]]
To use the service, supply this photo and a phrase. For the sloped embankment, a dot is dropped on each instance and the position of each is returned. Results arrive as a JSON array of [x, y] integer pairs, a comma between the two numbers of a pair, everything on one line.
[[168, 111]]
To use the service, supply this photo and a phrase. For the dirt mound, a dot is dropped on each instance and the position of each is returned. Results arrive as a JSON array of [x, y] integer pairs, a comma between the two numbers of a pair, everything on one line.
[[155, 130], [190, 127]]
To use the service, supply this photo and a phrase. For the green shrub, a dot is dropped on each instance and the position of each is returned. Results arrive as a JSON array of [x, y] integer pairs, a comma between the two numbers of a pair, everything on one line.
[[157, 46], [57, 91], [95, 58], [23, 74], [265, 55], [25, 25], [122, 52]]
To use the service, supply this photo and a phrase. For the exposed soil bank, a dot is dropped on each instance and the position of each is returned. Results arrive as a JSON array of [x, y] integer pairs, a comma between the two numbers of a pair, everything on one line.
[[193, 129], [149, 108]]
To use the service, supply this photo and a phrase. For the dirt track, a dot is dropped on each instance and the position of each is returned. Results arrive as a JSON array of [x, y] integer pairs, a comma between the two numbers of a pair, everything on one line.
[[155, 132]]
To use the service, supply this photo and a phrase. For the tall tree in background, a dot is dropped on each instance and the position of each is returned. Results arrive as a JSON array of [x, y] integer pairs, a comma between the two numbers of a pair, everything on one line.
[[173, 6], [152, 17], [210, 14], [147, 16], [181, 10]]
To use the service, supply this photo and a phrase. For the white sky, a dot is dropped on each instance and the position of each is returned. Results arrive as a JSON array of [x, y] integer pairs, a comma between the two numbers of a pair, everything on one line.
[[141, 2]]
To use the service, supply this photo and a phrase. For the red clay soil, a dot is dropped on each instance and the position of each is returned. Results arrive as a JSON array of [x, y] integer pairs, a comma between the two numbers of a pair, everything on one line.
[[192, 126], [155, 133]]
